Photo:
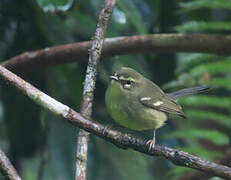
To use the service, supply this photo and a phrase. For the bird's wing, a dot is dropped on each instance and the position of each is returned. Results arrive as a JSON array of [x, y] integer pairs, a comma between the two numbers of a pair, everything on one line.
[[162, 103]]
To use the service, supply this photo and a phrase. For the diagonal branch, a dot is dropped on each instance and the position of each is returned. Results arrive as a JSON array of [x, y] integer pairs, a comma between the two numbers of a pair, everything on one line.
[[6, 168], [225, 160], [77, 52], [119, 139], [89, 86]]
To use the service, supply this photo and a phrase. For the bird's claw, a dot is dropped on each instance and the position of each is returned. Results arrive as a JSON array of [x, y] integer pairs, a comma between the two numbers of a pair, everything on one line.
[[107, 127], [151, 144]]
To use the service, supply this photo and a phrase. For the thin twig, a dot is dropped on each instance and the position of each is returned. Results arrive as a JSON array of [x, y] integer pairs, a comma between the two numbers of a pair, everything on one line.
[[119, 139], [89, 86], [153, 43], [6, 168]]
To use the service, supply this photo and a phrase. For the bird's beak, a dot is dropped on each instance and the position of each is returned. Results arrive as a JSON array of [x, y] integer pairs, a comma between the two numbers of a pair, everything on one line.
[[114, 78]]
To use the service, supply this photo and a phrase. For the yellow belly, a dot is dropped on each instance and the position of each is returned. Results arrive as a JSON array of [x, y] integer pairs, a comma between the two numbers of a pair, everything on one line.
[[144, 119]]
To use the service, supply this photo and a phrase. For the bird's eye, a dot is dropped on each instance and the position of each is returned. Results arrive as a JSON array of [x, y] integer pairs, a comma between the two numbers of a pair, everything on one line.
[[126, 83]]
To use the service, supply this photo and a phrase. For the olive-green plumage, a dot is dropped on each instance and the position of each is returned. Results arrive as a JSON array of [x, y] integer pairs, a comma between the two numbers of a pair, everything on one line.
[[137, 103]]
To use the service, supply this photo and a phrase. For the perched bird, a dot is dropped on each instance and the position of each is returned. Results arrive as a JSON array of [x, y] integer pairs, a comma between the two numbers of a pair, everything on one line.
[[137, 103]]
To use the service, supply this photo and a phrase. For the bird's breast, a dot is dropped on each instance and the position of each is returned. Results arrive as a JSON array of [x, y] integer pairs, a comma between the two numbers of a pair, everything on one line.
[[127, 111]]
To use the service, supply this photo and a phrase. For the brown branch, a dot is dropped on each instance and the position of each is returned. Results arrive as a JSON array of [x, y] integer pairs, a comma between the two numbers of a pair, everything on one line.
[[89, 86], [119, 139], [225, 160], [77, 52], [6, 168]]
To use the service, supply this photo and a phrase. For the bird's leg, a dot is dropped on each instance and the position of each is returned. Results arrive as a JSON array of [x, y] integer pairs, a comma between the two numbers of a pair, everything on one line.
[[152, 142]]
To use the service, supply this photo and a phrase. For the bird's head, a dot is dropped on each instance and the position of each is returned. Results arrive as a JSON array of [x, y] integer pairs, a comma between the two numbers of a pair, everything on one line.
[[127, 79]]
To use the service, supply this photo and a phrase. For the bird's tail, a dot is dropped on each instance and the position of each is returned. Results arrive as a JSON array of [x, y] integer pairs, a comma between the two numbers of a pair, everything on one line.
[[189, 91]]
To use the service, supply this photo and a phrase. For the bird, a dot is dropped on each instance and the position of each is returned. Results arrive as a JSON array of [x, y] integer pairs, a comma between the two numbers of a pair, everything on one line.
[[137, 103]]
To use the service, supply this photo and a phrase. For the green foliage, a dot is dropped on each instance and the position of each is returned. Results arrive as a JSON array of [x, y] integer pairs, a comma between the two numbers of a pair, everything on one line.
[[176, 173], [51, 5], [201, 115], [202, 25], [213, 68], [208, 114], [198, 4], [214, 136], [206, 101], [202, 152], [193, 59], [41, 25], [221, 83], [114, 168], [133, 15]]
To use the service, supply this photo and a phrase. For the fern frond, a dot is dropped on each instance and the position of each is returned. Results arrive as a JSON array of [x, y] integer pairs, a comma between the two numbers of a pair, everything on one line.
[[214, 136], [203, 25], [198, 4], [214, 68], [221, 83], [218, 117], [187, 61], [206, 101]]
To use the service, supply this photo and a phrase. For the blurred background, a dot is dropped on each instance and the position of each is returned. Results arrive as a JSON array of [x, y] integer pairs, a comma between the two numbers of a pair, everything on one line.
[[42, 146]]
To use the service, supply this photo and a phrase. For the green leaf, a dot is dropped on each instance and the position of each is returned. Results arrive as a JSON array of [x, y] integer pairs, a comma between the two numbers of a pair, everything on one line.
[[198, 4], [202, 25], [214, 68], [187, 61], [199, 114], [177, 172], [209, 101], [52, 5], [133, 14], [214, 136], [220, 83]]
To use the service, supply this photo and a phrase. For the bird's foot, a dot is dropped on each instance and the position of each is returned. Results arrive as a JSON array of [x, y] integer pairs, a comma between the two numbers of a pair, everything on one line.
[[107, 127], [151, 144]]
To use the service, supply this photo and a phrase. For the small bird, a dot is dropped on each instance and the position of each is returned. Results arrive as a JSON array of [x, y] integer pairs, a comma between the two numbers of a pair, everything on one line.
[[137, 103]]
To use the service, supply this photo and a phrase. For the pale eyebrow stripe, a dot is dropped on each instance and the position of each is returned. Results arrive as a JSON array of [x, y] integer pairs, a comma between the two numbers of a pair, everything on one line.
[[128, 78]]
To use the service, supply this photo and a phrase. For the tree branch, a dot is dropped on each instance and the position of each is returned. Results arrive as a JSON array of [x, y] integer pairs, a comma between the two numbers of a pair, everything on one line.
[[119, 139], [6, 168], [77, 52], [225, 160], [89, 86]]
